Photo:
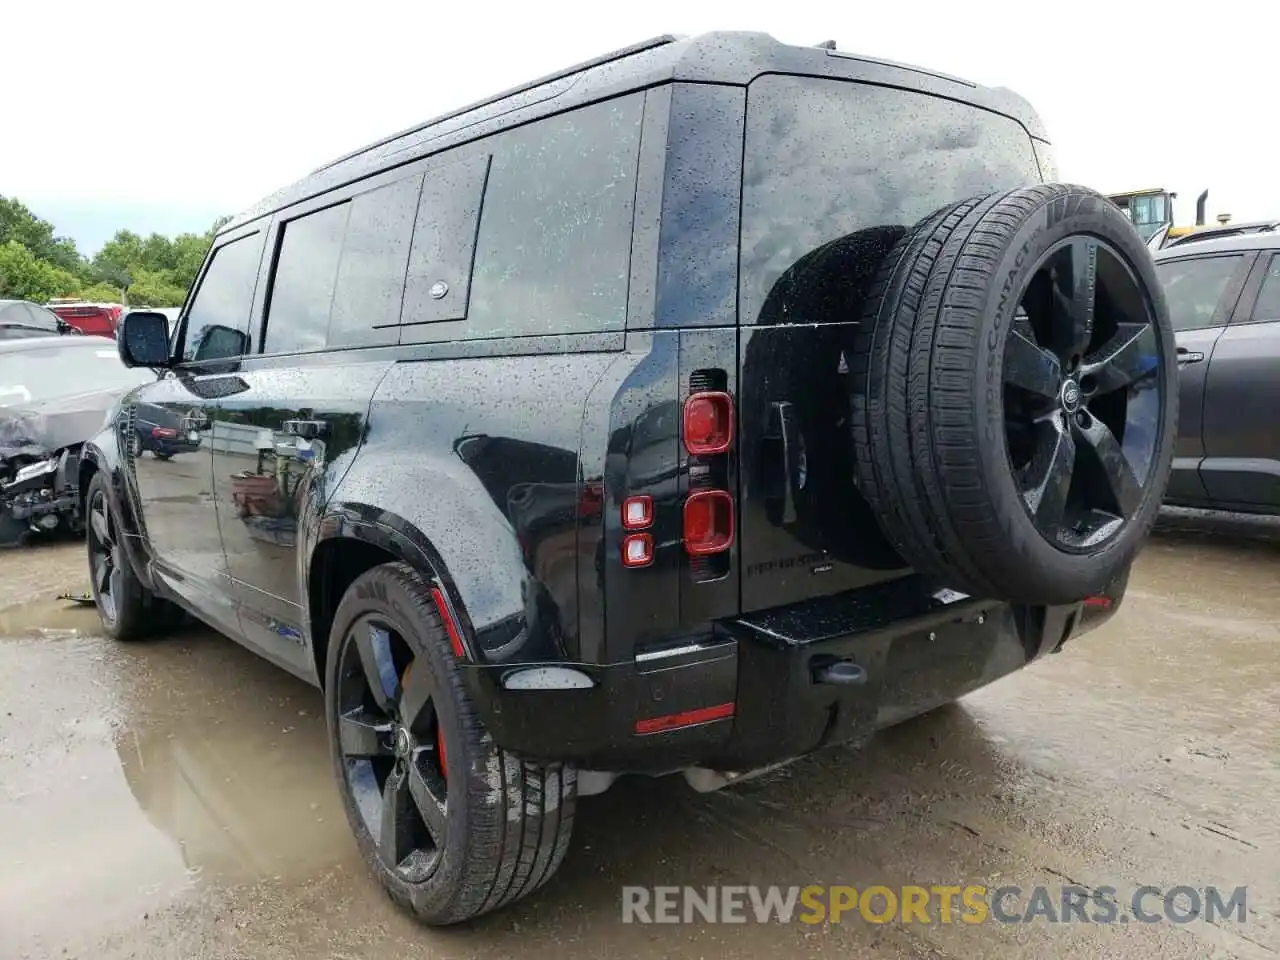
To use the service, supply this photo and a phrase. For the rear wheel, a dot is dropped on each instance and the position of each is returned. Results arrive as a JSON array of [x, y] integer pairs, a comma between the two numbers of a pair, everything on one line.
[[127, 609], [451, 825]]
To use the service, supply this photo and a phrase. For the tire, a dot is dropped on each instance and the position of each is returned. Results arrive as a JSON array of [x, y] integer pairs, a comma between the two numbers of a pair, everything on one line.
[[128, 610], [504, 825], [943, 421]]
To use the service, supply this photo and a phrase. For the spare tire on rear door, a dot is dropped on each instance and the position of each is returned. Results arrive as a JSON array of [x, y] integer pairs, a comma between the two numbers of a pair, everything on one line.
[[1014, 409]]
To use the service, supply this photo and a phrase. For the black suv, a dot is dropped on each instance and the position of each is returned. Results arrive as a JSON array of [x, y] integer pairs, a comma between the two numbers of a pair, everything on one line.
[[687, 410]]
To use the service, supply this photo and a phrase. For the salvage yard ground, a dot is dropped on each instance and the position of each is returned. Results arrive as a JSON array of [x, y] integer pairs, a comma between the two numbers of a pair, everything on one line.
[[174, 799]]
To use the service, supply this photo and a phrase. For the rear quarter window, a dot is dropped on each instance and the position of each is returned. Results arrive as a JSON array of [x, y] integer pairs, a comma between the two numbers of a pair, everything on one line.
[[553, 254], [830, 159]]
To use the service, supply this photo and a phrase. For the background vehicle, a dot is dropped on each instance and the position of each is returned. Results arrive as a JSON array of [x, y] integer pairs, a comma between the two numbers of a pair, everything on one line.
[[54, 395], [95, 319], [1220, 231], [591, 430], [1152, 208], [1152, 214], [1224, 301], [21, 319]]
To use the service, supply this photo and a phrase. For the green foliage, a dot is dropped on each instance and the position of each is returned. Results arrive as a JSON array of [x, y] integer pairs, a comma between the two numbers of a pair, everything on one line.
[[100, 293], [36, 265], [19, 224], [24, 276], [156, 288]]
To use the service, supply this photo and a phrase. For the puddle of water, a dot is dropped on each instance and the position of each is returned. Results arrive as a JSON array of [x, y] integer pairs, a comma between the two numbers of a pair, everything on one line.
[[147, 773], [47, 617]]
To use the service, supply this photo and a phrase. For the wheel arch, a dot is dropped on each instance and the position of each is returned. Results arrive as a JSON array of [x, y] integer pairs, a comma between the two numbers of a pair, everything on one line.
[[95, 458], [355, 538]]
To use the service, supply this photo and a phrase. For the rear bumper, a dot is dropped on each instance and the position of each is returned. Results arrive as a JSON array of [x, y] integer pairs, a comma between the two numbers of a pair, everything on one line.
[[753, 688]]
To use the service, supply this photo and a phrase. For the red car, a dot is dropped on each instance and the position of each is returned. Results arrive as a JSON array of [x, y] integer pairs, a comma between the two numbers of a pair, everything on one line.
[[98, 319]]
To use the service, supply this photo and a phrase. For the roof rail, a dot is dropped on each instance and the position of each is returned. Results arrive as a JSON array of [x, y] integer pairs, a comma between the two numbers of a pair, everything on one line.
[[630, 51]]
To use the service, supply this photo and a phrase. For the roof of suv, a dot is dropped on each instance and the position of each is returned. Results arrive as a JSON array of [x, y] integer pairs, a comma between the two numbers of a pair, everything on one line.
[[724, 58], [1228, 244]]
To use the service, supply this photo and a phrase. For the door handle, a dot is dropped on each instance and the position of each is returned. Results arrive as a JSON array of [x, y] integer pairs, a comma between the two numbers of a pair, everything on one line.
[[1186, 356], [306, 429]]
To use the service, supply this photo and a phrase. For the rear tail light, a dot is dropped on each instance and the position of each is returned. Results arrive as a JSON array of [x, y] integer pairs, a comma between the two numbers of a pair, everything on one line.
[[1100, 602], [637, 513], [163, 433], [637, 550], [708, 522], [708, 423]]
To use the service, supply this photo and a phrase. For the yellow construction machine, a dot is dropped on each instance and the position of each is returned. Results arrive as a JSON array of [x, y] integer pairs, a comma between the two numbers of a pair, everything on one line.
[[1151, 210]]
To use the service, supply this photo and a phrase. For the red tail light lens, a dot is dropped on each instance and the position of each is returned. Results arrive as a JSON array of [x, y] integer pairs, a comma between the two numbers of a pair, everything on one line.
[[637, 550], [708, 522], [708, 423], [637, 513], [163, 433]]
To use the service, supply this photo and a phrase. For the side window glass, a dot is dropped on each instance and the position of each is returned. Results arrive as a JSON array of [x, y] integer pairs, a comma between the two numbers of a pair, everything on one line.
[[444, 243], [554, 248], [306, 271], [1268, 305], [339, 277], [217, 323], [1193, 289], [371, 273]]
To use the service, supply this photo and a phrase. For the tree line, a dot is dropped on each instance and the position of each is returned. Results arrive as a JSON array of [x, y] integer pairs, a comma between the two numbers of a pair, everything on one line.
[[38, 265]]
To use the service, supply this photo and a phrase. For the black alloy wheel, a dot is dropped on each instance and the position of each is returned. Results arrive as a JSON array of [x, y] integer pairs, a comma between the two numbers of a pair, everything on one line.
[[447, 839], [1082, 397], [106, 570], [392, 748]]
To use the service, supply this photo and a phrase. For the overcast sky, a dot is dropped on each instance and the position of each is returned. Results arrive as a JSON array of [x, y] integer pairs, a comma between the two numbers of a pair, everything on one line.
[[151, 114]]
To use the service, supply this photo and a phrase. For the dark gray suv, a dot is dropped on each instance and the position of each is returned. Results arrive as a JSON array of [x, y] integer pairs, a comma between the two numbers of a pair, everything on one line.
[[1224, 301]]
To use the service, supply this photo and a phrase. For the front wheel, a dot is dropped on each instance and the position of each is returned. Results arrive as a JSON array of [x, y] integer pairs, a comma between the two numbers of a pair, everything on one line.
[[451, 825], [128, 610]]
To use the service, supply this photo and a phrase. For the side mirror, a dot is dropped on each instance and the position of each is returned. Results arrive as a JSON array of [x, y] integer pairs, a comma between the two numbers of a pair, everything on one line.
[[143, 339]]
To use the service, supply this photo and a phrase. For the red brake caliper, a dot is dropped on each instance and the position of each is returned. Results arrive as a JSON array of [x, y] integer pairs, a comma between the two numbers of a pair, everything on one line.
[[444, 769]]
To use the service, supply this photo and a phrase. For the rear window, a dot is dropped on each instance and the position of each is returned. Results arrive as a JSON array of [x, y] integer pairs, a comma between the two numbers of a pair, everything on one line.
[[827, 159]]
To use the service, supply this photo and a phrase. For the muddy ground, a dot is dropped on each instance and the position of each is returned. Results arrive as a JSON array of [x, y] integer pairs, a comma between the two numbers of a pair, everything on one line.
[[173, 799]]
